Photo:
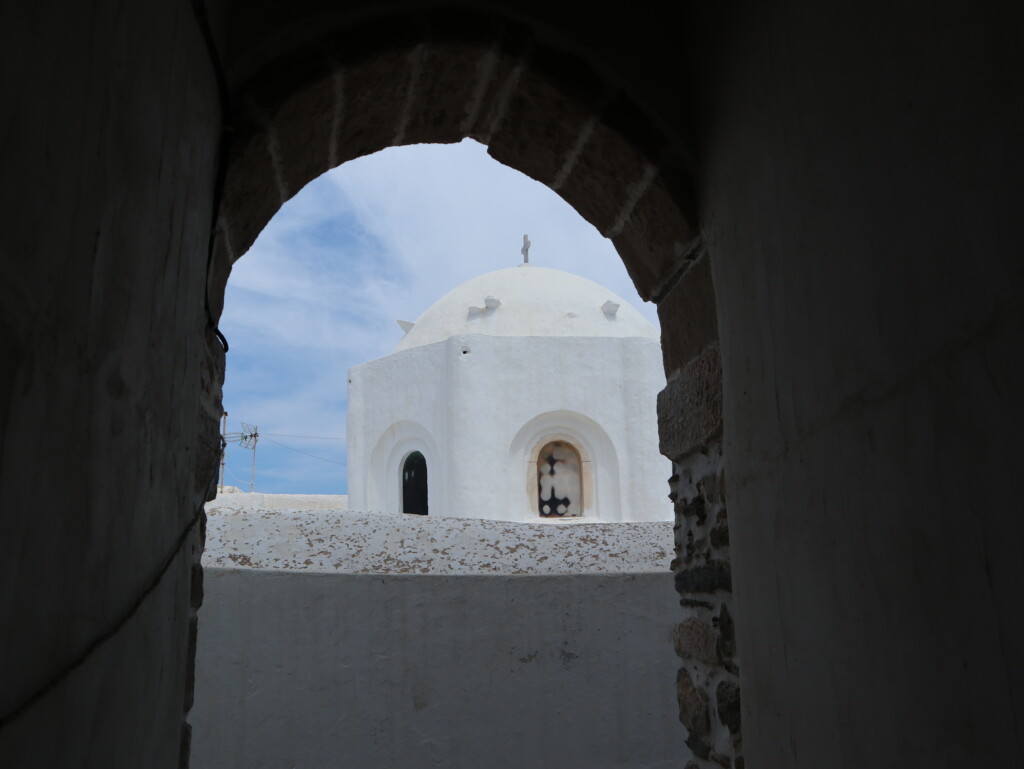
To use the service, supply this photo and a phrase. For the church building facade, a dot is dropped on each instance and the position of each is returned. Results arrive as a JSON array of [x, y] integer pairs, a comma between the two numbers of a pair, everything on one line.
[[526, 394]]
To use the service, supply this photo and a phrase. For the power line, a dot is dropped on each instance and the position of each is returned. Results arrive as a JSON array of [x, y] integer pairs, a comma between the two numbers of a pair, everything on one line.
[[314, 437], [297, 451]]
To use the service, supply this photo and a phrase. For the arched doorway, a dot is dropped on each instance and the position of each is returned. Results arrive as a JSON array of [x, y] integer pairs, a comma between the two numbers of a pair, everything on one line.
[[414, 484], [559, 481], [540, 105]]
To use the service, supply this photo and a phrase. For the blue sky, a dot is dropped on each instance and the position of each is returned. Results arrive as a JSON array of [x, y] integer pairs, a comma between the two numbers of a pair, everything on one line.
[[375, 240]]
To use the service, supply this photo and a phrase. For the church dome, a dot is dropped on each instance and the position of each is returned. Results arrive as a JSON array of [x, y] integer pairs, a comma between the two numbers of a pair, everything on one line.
[[528, 301]]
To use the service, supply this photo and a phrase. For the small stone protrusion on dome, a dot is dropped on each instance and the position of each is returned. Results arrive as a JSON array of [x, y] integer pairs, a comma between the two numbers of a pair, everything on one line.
[[405, 325], [610, 308], [491, 304]]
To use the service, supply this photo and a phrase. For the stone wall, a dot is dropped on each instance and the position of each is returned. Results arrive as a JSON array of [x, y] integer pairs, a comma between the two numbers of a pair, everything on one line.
[[380, 79], [707, 685], [111, 377], [862, 184], [690, 420]]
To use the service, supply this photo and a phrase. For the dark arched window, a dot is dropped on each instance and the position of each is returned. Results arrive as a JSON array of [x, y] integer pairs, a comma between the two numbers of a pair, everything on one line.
[[559, 481], [414, 484]]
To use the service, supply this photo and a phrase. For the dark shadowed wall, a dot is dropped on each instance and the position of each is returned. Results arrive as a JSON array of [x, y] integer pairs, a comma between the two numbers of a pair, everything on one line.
[[851, 177]]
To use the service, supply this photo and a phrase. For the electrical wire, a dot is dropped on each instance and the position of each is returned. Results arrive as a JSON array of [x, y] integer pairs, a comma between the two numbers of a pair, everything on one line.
[[297, 451], [314, 437]]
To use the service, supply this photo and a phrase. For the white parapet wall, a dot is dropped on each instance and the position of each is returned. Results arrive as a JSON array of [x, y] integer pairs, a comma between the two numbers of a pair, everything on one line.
[[270, 532], [335, 638], [230, 498]]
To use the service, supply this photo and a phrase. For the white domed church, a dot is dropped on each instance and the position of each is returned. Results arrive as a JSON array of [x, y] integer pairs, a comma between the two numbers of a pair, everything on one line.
[[526, 394]]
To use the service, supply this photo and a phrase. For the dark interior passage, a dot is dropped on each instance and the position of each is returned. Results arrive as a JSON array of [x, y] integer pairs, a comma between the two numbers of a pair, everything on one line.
[[414, 484]]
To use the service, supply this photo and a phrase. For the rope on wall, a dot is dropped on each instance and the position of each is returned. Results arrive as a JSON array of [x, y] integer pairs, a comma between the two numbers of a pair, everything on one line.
[[203, 21]]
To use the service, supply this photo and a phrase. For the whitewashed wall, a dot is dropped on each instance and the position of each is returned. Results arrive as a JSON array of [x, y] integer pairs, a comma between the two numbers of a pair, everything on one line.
[[313, 670], [490, 644], [479, 407], [298, 532]]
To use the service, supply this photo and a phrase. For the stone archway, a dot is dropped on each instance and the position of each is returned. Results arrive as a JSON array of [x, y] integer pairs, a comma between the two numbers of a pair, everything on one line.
[[441, 76], [858, 183]]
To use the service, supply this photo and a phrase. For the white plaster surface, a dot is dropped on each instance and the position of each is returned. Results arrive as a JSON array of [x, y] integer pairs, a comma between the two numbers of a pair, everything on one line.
[[357, 671], [268, 535], [527, 301], [502, 365], [338, 638], [239, 500], [480, 407]]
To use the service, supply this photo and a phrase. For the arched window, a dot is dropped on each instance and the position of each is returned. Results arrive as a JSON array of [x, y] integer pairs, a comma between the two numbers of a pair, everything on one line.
[[559, 481], [414, 484]]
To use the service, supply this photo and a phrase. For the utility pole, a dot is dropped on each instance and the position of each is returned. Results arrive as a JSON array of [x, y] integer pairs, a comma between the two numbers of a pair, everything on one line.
[[252, 477], [223, 451]]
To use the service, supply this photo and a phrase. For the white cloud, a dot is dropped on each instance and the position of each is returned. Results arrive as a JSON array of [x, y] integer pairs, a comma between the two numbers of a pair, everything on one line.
[[378, 239]]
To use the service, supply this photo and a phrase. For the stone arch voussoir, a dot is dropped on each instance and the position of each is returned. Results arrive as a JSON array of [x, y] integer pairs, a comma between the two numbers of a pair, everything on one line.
[[439, 78]]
